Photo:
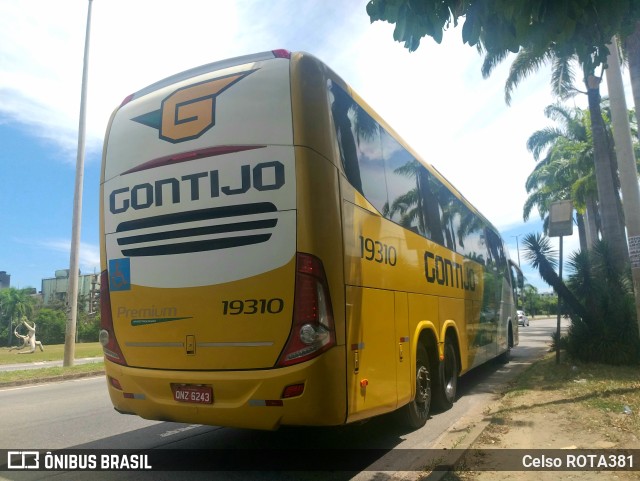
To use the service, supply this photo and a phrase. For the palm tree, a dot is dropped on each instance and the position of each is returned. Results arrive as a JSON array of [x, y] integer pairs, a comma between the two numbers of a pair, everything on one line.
[[609, 333], [598, 297], [529, 60], [540, 254], [15, 303], [565, 171], [632, 50]]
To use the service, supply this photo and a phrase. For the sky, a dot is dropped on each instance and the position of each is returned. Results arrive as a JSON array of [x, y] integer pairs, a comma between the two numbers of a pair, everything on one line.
[[435, 98]]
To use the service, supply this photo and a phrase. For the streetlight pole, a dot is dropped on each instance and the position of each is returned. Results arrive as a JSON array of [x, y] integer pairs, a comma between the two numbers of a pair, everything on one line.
[[74, 261], [517, 247]]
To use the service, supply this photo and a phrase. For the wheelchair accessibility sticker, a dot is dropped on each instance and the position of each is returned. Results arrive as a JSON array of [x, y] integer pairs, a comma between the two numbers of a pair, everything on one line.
[[120, 274]]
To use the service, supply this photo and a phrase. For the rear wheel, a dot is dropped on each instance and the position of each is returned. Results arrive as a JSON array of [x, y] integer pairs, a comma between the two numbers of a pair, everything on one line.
[[416, 412], [447, 386], [505, 357]]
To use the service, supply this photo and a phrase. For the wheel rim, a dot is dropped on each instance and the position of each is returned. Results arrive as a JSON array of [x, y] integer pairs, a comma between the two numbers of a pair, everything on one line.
[[450, 374], [423, 391]]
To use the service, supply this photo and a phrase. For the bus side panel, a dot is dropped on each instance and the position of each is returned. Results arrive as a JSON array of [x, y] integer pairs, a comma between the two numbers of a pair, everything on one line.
[[472, 317], [371, 381], [319, 230], [311, 107], [451, 309], [507, 314], [404, 365]]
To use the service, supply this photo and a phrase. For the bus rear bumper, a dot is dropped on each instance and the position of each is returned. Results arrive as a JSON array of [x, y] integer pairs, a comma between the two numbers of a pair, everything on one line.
[[243, 399]]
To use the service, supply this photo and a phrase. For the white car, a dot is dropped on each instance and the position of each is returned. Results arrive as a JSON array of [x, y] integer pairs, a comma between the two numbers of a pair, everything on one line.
[[523, 320]]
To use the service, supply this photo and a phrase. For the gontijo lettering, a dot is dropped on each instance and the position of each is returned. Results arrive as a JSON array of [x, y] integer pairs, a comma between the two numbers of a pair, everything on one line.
[[448, 273], [264, 176]]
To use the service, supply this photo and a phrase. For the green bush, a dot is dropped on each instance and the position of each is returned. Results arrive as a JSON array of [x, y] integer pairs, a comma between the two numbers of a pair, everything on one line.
[[599, 299], [609, 334], [50, 326], [88, 327]]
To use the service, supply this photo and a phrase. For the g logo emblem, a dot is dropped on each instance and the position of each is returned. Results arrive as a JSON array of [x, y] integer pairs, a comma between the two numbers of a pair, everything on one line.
[[190, 111]]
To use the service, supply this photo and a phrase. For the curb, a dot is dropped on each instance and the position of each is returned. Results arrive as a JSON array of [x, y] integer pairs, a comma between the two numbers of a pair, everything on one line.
[[43, 380], [455, 444]]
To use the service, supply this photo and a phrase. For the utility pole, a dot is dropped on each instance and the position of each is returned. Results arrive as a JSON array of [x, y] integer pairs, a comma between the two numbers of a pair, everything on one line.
[[626, 165], [517, 247], [74, 261]]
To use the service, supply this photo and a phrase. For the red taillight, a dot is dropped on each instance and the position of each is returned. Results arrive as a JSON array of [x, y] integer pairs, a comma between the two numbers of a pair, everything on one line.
[[115, 383], [313, 330], [107, 335], [281, 53], [127, 99]]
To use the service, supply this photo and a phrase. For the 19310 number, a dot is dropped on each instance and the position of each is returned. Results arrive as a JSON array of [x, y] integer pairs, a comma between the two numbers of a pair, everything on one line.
[[252, 306], [373, 250]]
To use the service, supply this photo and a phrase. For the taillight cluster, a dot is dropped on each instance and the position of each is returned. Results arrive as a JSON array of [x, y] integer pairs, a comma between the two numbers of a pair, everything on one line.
[[107, 335], [313, 330]]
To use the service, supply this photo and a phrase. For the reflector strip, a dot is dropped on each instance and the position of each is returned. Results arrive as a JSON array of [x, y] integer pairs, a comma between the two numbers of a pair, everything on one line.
[[154, 344], [265, 402], [236, 344], [131, 395]]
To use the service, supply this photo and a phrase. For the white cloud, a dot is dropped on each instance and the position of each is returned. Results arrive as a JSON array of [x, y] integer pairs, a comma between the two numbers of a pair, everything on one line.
[[435, 98], [89, 253]]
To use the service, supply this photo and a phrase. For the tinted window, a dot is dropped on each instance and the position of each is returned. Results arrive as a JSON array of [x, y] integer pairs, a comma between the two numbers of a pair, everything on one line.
[[360, 150], [406, 205], [403, 190]]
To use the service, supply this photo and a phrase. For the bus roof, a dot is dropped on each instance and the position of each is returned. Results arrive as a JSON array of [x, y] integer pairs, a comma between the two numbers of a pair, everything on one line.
[[202, 69]]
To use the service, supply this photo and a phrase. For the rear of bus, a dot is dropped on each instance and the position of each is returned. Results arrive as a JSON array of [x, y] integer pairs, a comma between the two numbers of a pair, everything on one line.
[[216, 288]]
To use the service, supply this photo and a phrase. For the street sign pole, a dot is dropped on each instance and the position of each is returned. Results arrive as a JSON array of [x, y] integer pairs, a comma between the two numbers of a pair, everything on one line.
[[560, 224]]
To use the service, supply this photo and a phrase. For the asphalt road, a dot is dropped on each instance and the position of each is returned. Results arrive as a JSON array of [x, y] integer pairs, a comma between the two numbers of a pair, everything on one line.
[[78, 415]]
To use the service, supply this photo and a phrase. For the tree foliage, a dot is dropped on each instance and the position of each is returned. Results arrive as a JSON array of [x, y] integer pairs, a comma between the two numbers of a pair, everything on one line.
[[50, 320], [499, 26], [50, 326], [610, 332], [541, 256], [599, 298], [14, 303]]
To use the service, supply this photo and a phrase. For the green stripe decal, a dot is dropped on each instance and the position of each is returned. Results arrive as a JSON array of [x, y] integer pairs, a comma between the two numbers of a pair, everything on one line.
[[155, 320]]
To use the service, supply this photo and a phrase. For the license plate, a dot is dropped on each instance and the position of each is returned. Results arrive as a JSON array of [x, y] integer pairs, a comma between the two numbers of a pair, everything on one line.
[[189, 393]]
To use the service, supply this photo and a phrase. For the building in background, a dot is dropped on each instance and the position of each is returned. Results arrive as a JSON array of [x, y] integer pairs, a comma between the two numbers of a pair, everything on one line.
[[5, 280], [55, 289]]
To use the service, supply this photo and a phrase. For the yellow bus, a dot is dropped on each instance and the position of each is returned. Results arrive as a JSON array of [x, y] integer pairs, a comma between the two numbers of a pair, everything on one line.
[[274, 254]]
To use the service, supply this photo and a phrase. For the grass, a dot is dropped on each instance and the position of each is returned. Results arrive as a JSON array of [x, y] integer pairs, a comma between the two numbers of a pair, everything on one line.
[[603, 389], [29, 376], [51, 353], [591, 397]]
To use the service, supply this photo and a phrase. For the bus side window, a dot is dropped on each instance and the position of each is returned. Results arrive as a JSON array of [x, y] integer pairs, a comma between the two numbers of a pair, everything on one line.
[[341, 105], [360, 150]]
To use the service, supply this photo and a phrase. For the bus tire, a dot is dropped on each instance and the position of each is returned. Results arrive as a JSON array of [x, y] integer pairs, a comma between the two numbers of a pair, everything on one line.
[[416, 413], [505, 357], [447, 386]]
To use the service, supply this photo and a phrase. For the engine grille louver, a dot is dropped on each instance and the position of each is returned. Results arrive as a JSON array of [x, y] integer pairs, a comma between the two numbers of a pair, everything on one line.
[[192, 231]]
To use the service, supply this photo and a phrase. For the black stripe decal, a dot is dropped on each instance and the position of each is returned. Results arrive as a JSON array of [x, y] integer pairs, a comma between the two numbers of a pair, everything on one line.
[[197, 246], [214, 229], [197, 215]]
